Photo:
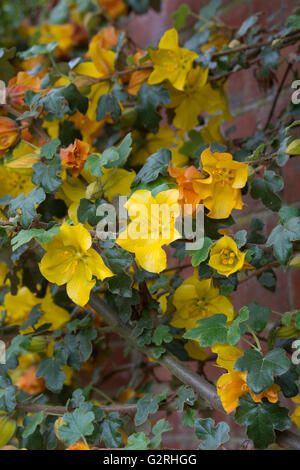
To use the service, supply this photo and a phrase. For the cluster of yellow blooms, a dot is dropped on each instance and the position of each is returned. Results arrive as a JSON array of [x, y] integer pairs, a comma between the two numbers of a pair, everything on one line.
[[70, 259]]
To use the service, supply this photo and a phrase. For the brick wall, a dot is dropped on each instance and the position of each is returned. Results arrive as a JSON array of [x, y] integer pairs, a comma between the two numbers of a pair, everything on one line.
[[249, 105]]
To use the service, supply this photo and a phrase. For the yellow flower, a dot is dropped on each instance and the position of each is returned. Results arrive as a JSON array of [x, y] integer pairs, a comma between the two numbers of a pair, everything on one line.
[[225, 256], [3, 272], [17, 308], [195, 299], [228, 177], [233, 385], [211, 132], [197, 97], [295, 417], [102, 64], [60, 33], [171, 62], [152, 226], [114, 8], [89, 129], [195, 351], [116, 181], [70, 260]]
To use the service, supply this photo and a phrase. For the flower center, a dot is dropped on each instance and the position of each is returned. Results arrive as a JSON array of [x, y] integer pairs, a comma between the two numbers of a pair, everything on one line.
[[224, 175], [227, 256]]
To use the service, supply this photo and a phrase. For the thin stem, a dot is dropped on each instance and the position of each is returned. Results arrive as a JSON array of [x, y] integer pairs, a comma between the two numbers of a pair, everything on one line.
[[254, 336]]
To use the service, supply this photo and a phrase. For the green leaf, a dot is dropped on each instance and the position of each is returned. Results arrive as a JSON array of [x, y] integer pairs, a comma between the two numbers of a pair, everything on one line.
[[110, 431], [240, 238], [118, 260], [201, 255], [146, 405], [156, 164], [287, 212], [33, 317], [282, 237], [8, 398], [262, 369], [258, 316], [234, 331], [188, 419], [149, 98], [211, 436], [180, 16], [78, 424], [137, 441], [162, 334], [37, 49], [108, 104], [121, 285], [42, 236], [50, 370], [184, 395], [49, 150], [75, 99], [46, 175], [210, 331], [123, 150], [158, 429], [287, 383], [264, 189], [112, 157], [246, 25], [27, 205], [261, 419], [31, 423]]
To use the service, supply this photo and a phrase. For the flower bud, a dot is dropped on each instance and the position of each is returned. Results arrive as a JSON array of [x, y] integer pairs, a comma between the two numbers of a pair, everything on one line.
[[94, 190], [37, 344], [8, 133], [234, 43], [287, 331], [58, 423], [7, 430]]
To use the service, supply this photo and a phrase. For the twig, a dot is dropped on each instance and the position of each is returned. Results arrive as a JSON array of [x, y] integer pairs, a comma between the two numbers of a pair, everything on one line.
[[246, 47], [255, 273], [177, 368], [271, 112], [129, 409]]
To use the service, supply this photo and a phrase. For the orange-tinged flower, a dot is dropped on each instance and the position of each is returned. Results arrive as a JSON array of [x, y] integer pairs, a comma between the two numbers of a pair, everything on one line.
[[139, 77], [78, 446], [114, 8], [228, 177], [89, 129], [18, 85], [193, 186], [106, 38], [34, 66], [29, 383], [126, 394], [233, 385], [8, 134], [74, 156]]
